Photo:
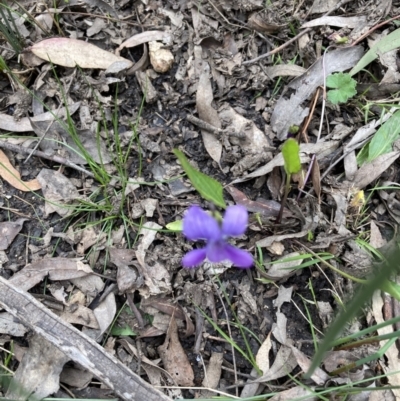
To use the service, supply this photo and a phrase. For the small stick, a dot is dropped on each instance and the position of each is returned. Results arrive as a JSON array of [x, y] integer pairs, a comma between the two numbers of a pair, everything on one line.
[[39, 153], [218, 132]]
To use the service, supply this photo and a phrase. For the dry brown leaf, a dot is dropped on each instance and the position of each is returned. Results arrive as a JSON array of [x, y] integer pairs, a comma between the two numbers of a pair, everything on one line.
[[8, 231], [269, 208], [12, 176], [284, 363], [76, 377], [72, 52], [319, 376], [259, 24], [55, 268], [213, 374], [207, 113], [79, 314], [262, 357], [175, 360], [284, 70]]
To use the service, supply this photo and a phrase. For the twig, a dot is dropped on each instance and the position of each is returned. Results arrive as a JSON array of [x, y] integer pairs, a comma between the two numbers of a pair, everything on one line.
[[218, 132], [373, 29], [76, 345], [39, 153]]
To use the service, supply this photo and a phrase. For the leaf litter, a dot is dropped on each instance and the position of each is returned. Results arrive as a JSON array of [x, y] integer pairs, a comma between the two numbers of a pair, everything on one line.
[[228, 116]]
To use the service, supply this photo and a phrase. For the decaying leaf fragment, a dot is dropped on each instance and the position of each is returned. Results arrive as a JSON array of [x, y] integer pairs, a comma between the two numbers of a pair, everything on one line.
[[12, 176], [207, 113], [55, 268], [175, 359], [8, 231], [39, 371]]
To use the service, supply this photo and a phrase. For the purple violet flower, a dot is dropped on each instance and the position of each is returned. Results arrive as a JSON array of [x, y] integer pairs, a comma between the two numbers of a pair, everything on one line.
[[198, 225]]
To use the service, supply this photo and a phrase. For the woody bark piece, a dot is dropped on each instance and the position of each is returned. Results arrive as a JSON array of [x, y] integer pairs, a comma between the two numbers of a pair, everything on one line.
[[76, 345]]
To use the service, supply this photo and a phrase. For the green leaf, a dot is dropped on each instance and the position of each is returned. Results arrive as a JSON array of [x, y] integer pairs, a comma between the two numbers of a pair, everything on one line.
[[206, 186], [344, 87], [384, 138], [175, 226], [389, 42], [290, 152], [123, 331]]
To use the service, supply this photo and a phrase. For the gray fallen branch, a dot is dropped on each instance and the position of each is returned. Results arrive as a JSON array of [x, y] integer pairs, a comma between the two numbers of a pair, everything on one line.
[[76, 345], [39, 153]]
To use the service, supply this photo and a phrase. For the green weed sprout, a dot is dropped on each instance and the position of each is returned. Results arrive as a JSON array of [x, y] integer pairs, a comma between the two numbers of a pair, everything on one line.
[[343, 87], [291, 157]]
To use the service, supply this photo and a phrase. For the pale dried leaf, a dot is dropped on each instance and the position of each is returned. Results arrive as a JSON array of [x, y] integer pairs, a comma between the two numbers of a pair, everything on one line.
[[207, 113], [175, 359], [250, 389], [376, 240], [8, 231], [284, 295], [369, 172], [157, 278], [279, 328], [262, 357], [105, 313], [144, 37], [284, 70], [39, 371], [212, 374], [319, 376], [55, 268], [58, 192], [79, 314], [72, 52], [284, 363], [12, 176], [341, 22], [278, 271]]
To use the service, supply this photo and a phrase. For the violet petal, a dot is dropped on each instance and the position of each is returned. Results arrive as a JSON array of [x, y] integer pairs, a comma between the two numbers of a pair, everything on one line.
[[238, 257], [235, 221], [197, 224], [216, 251], [194, 258]]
